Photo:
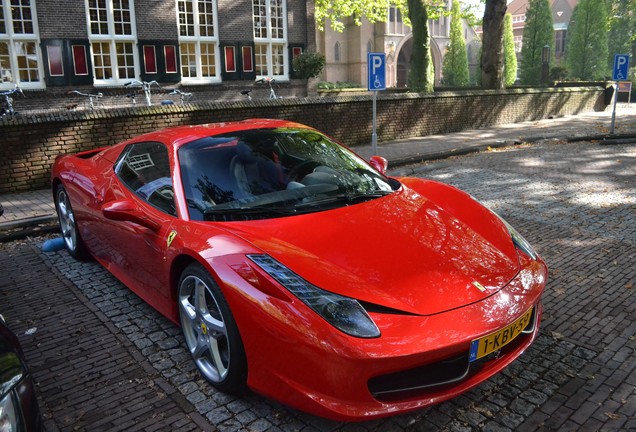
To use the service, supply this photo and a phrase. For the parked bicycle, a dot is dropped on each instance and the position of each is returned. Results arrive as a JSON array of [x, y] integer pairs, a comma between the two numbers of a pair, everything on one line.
[[145, 86], [246, 93], [184, 97], [266, 80], [93, 101], [7, 101], [269, 81]]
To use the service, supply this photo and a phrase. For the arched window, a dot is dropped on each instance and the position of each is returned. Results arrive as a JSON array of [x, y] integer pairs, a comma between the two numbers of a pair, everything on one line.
[[336, 52], [395, 24]]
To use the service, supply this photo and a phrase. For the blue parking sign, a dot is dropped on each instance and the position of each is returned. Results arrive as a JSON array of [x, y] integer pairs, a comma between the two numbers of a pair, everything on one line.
[[377, 71], [621, 67]]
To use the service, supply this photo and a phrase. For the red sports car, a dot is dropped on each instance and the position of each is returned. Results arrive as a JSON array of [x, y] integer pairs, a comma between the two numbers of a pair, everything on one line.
[[299, 270]]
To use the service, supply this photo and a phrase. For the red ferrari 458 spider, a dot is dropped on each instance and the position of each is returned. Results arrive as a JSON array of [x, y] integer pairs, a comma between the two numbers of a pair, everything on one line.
[[299, 270]]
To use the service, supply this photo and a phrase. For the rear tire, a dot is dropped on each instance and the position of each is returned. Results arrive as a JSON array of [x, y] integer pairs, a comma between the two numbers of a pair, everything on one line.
[[210, 331], [68, 225]]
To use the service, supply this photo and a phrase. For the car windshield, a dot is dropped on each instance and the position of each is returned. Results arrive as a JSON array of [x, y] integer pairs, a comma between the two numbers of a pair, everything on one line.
[[264, 173]]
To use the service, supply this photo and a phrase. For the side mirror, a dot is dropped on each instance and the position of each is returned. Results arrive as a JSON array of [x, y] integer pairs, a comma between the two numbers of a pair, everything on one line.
[[379, 163], [127, 211]]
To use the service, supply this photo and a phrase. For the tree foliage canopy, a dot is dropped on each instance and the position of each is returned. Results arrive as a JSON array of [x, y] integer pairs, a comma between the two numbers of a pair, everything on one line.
[[335, 11], [455, 70], [537, 33], [587, 50], [621, 18], [510, 56]]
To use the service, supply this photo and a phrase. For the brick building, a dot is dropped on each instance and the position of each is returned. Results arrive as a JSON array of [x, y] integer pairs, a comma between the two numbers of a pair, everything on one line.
[[49, 44]]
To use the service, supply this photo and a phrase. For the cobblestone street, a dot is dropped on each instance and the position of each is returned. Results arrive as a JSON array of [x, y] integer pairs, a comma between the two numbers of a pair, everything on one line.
[[103, 360]]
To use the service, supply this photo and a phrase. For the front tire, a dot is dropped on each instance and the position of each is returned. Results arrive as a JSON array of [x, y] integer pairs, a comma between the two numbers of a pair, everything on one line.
[[68, 225], [210, 331]]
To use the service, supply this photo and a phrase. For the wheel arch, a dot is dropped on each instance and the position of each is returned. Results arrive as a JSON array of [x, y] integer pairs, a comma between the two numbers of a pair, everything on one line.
[[55, 183], [179, 264]]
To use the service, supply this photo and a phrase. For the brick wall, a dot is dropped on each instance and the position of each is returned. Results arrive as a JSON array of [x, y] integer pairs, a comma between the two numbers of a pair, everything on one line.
[[235, 23], [156, 20], [61, 20], [31, 142]]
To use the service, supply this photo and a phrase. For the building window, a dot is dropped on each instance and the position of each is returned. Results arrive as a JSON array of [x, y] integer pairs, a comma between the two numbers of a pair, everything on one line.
[[336, 52], [113, 39], [247, 59], [518, 18], [80, 65], [20, 58], [518, 43], [395, 26], [170, 54], [559, 48], [198, 41], [270, 38]]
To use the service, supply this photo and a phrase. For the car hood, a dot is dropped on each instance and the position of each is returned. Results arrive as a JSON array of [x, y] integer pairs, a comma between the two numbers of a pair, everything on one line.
[[425, 249]]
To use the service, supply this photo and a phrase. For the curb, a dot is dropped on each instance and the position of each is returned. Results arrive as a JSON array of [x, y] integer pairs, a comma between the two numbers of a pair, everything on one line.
[[23, 228]]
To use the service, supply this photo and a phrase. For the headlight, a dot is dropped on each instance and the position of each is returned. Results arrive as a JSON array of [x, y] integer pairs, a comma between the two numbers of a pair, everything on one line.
[[8, 415], [519, 241], [345, 314]]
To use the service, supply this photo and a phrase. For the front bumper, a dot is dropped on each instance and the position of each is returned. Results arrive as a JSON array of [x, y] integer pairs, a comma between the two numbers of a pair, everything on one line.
[[298, 359]]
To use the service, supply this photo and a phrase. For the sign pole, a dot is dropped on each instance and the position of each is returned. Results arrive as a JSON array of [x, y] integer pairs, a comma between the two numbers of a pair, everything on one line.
[[377, 81], [374, 134], [619, 73], [614, 110]]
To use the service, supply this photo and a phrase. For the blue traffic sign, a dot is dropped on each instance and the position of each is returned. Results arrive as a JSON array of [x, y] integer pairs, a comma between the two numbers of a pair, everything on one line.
[[377, 71], [621, 67]]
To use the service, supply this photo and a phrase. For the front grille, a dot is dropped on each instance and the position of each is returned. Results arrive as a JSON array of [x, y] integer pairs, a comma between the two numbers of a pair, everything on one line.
[[419, 380]]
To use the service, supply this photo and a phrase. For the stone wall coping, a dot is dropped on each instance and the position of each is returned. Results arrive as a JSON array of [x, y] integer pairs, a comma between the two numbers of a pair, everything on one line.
[[142, 111]]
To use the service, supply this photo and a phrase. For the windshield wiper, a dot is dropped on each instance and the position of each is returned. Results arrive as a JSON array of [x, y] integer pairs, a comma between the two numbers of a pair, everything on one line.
[[245, 213], [347, 198]]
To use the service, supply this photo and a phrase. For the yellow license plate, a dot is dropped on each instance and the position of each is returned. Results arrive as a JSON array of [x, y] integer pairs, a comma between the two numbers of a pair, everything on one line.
[[488, 344]]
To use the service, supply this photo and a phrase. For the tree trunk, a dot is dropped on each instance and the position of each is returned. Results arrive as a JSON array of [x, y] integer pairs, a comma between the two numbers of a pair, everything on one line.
[[492, 76], [421, 74]]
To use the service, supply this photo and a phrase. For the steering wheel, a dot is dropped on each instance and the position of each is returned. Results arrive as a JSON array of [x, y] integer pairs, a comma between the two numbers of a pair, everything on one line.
[[302, 169]]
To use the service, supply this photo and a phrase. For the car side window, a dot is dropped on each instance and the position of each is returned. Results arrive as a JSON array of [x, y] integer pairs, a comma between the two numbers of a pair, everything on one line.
[[145, 169]]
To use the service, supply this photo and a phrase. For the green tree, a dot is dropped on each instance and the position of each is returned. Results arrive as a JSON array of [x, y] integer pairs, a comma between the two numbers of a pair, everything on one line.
[[622, 22], [587, 50], [455, 68], [491, 63], [510, 55], [309, 64], [537, 33]]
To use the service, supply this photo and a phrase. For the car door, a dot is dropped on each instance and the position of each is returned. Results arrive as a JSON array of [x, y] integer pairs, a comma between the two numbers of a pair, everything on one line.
[[135, 248]]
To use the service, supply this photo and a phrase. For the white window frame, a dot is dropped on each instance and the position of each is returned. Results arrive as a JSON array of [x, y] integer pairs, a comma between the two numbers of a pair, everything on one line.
[[11, 39], [395, 26], [270, 43], [112, 40], [198, 42]]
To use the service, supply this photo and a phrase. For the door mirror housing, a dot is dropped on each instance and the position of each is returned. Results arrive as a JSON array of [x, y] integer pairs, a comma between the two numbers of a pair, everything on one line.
[[379, 163]]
